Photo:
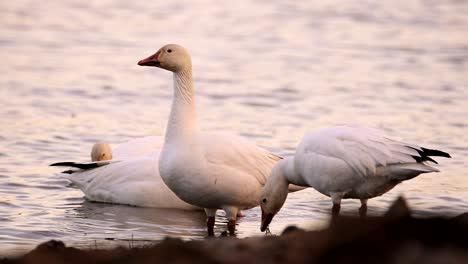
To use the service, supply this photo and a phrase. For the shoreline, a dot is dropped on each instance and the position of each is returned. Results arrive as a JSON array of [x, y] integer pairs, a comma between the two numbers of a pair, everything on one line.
[[394, 238]]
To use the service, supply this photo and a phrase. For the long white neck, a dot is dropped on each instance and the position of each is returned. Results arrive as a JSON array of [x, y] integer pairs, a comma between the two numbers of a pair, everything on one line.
[[290, 173], [182, 122]]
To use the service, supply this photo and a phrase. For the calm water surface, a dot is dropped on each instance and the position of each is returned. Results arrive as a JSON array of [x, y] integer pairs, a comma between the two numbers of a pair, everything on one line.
[[267, 70]]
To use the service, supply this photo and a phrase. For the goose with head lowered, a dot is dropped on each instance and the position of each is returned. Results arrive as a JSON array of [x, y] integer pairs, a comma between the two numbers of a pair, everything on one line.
[[210, 170], [345, 162]]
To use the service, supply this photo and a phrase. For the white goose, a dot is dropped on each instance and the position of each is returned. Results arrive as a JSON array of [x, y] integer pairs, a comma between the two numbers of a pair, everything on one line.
[[131, 176], [130, 149], [101, 151], [345, 162], [210, 170]]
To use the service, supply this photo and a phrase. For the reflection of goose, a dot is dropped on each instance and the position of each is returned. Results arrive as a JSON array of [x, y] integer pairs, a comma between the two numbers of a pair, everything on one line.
[[210, 170], [121, 222], [131, 177], [345, 162]]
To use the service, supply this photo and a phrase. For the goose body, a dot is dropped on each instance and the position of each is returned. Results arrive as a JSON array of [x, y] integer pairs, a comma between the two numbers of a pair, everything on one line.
[[210, 170], [346, 162], [131, 177], [217, 171]]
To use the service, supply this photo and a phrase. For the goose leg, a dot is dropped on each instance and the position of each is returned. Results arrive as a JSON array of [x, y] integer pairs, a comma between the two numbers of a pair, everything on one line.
[[210, 225], [336, 200], [231, 226], [363, 209], [336, 210], [231, 214], [210, 222]]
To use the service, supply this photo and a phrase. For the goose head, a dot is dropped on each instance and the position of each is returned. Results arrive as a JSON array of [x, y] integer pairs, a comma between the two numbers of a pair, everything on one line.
[[171, 57], [101, 151], [273, 195]]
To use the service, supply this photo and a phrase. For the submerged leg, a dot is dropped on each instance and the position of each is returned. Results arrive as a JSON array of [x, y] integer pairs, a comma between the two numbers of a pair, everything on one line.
[[210, 225], [210, 222], [231, 226], [363, 209], [336, 210], [336, 200], [231, 214]]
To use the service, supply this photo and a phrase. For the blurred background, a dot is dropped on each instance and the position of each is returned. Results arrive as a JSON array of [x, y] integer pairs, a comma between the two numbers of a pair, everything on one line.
[[267, 70]]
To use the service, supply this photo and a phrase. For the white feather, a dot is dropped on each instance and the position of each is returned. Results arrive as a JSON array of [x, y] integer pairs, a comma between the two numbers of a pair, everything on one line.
[[132, 177], [341, 159]]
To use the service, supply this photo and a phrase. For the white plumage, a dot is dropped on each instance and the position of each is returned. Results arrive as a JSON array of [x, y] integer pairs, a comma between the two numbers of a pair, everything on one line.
[[131, 177], [346, 162], [340, 159], [217, 171], [210, 170]]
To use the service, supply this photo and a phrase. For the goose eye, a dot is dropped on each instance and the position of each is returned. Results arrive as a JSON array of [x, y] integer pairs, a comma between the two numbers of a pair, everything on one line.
[[264, 200], [169, 51]]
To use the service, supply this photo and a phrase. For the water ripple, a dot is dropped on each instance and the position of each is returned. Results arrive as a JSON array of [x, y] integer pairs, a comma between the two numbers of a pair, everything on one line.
[[302, 65]]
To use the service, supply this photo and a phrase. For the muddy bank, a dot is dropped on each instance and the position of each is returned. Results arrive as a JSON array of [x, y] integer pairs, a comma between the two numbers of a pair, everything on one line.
[[394, 238]]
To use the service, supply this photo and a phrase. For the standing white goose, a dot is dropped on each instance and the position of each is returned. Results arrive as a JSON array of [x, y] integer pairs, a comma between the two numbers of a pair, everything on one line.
[[210, 170], [345, 162], [131, 176]]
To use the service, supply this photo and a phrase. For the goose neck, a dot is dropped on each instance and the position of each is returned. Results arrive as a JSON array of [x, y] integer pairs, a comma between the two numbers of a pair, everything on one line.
[[183, 87], [182, 120], [290, 173]]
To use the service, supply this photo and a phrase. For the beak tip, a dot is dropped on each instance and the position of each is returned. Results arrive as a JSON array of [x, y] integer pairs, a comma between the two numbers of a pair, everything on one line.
[[266, 220], [152, 60]]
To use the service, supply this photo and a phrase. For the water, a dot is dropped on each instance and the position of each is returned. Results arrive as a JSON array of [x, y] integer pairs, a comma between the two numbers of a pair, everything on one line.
[[268, 70]]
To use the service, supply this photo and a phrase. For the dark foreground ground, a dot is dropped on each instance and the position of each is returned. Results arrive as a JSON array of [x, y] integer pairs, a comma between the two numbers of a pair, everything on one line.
[[395, 238]]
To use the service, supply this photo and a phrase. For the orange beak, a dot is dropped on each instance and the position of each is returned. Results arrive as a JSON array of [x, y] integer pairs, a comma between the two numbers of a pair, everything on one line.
[[151, 60], [266, 220]]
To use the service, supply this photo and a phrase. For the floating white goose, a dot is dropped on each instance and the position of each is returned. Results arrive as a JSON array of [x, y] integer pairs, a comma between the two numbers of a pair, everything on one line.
[[131, 177], [345, 162], [101, 151], [210, 170]]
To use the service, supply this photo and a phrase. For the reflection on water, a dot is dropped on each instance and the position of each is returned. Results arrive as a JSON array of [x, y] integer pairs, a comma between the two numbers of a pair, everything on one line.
[[93, 220], [269, 71]]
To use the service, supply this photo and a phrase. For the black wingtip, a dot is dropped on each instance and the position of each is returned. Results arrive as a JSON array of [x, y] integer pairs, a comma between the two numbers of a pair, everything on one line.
[[435, 152], [83, 166], [63, 164], [424, 154], [420, 159]]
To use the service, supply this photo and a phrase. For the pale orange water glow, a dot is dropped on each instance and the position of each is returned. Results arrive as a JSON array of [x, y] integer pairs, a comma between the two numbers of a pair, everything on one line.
[[268, 70]]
